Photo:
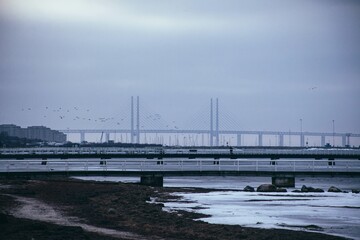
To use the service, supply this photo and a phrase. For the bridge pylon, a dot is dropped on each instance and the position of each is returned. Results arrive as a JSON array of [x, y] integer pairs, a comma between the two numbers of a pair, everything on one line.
[[214, 133], [135, 133]]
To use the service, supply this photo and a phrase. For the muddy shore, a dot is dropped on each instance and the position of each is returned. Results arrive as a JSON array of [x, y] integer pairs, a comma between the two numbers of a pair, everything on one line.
[[75, 209]]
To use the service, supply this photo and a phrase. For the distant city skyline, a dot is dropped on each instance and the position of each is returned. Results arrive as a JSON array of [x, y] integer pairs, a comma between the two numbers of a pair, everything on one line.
[[65, 64], [33, 132]]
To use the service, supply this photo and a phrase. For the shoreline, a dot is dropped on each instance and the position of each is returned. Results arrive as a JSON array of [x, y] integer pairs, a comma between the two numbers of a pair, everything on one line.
[[120, 207]]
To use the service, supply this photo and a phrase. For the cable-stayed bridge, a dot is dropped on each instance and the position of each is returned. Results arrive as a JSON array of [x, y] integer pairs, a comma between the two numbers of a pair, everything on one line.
[[143, 130], [345, 137]]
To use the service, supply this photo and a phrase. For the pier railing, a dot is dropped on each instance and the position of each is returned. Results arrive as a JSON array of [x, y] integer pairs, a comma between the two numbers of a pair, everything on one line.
[[180, 165], [178, 160]]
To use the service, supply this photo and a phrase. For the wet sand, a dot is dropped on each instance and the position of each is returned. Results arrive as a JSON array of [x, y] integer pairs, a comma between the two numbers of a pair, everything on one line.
[[75, 209]]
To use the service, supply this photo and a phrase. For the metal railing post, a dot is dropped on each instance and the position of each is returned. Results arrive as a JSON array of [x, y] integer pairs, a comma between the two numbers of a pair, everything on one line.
[[313, 165], [347, 166], [294, 165]]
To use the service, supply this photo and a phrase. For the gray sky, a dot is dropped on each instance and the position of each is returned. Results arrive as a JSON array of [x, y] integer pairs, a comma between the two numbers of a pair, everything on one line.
[[270, 63]]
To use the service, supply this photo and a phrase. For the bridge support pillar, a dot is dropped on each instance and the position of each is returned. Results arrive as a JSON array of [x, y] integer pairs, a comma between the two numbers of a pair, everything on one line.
[[82, 137], [302, 140], [135, 134], [152, 180], [238, 140], [132, 121], [281, 140], [322, 140], [283, 181], [348, 139], [343, 140], [107, 137], [217, 137], [211, 123], [260, 139], [137, 120]]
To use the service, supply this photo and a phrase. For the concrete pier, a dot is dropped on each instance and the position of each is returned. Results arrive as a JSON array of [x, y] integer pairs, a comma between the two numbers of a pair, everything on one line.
[[152, 180], [283, 181]]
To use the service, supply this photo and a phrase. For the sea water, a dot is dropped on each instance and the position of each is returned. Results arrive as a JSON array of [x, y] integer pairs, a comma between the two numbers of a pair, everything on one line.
[[331, 213]]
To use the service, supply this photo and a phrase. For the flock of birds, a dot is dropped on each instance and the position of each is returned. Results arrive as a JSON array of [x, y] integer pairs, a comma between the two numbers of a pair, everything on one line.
[[78, 114], [65, 113]]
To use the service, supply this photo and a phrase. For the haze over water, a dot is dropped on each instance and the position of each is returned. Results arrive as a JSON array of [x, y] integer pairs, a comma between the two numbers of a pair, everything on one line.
[[75, 63]]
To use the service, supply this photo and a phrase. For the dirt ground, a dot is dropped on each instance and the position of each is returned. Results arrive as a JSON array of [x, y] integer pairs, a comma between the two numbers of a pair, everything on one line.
[[75, 209]]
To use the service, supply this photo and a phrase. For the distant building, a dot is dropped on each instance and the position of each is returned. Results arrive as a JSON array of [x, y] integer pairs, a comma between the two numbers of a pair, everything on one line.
[[13, 130], [34, 132]]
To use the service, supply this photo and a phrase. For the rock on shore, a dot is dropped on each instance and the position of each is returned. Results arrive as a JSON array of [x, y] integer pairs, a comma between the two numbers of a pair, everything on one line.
[[249, 189], [334, 189], [311, 189], [270, 188]]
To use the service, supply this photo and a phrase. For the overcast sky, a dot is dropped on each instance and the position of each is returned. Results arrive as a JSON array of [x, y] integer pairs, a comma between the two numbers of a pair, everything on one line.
[[65, 64]]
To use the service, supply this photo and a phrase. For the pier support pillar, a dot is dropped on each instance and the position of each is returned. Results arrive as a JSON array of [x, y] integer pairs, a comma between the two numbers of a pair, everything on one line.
[[283, 181], [152, 180]]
